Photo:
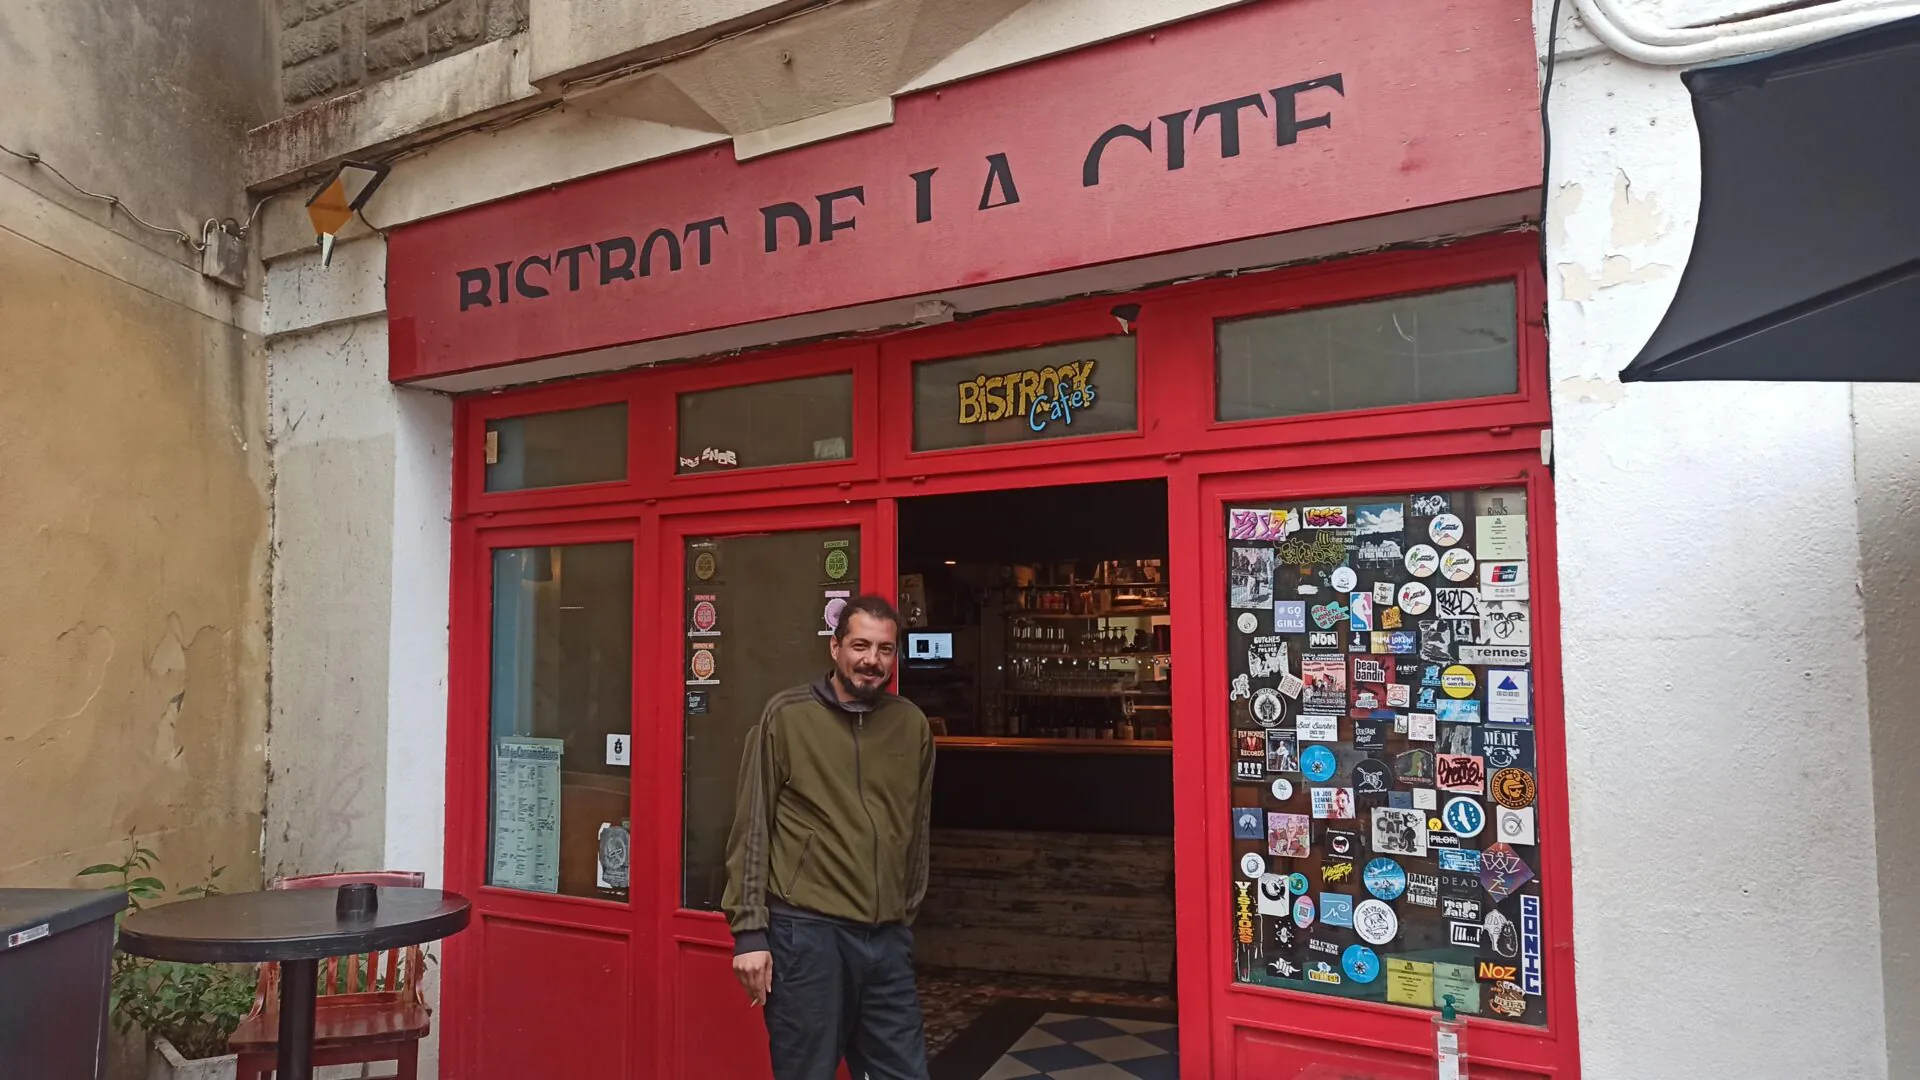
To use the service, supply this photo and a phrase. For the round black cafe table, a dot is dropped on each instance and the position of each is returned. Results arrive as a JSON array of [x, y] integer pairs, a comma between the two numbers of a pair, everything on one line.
[[297, 928]]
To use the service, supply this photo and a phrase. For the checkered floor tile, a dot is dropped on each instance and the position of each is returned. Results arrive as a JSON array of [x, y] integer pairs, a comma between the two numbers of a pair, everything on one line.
[[1061, 1046]]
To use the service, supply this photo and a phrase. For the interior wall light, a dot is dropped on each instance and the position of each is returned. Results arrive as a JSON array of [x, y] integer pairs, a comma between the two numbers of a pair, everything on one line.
[[344, 192]]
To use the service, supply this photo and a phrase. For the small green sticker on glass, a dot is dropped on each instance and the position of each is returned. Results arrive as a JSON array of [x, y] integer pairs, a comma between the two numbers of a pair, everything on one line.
[[838, 564]]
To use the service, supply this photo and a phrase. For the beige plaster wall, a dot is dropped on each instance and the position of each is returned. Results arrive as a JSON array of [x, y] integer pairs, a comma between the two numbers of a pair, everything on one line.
[[132, 560], [133, 465]]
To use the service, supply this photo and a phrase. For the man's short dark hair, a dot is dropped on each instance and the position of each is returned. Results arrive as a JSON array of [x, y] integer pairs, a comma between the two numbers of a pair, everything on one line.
[[870, 605]]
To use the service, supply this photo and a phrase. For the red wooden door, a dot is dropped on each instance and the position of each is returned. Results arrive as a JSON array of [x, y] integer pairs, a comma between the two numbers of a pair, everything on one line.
[[747, 601], [542, 769], [1299, 991]]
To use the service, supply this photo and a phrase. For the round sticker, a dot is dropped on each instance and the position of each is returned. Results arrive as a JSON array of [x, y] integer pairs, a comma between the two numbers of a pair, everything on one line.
[[1513, 788], [1458, 681], [1385, 879], [1317, 763], [1415, 598], [1446, 529], [615, 847], [1371, 776], [1303, 912], [1344, 579], [1360, 964], [704, 565], [832, 612], [705, 616], [703, 663], [1434, 824], [1297, 884], [1252, 865], [1422, 560], [1283, 789], [1464, 817], [1457, 564], [837, 563], [1269, 708], [1375, 922], [1248, 624]]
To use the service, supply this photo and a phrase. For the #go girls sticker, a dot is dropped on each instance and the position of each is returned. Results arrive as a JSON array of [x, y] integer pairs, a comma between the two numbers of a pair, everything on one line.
[[1422, 560], [1446, 529], [1457, 564]]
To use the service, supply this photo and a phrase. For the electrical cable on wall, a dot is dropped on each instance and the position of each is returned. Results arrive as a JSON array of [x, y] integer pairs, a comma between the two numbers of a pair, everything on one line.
[[1684, 45], [115, 202]]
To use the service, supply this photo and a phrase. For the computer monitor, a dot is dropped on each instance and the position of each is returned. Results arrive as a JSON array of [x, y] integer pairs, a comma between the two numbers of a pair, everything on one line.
[[929, 645]]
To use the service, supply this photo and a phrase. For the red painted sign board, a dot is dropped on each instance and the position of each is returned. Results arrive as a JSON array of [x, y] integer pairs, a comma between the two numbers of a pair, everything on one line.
[[1262, 119]]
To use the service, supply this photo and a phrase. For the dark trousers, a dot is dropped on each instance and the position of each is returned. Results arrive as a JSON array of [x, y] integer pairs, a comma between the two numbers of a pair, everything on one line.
[[843, 991]]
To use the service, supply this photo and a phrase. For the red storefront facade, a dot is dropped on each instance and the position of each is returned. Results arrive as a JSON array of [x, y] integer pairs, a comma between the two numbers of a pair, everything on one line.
[[1196, 146]]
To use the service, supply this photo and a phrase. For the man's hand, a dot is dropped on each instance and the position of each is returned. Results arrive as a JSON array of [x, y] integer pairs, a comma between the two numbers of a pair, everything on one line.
[[755, 972]]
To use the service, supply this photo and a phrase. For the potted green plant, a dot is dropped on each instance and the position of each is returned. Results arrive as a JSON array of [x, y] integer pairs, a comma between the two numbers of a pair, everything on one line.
[[187, 1010]]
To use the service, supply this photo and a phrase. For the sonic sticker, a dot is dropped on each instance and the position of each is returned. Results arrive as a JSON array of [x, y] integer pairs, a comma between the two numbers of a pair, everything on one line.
[[1531, 968]]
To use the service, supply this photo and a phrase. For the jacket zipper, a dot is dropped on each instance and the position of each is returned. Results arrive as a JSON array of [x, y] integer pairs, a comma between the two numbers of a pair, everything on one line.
[[873, 828]]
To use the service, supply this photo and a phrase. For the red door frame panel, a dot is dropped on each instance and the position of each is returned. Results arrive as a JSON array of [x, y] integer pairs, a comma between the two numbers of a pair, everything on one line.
[[1202, 460], [1381, 1026], [678, 925], [468, 756]]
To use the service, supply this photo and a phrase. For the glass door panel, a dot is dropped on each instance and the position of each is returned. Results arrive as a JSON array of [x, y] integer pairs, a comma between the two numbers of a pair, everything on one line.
[[561, 719], [758, 611]]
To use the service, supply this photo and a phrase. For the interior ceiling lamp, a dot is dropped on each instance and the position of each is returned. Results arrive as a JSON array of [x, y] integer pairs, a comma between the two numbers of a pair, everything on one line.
[[345, 191]]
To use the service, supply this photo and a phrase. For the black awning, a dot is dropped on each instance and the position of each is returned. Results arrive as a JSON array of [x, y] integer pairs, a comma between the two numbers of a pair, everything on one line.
[[1806, 261]]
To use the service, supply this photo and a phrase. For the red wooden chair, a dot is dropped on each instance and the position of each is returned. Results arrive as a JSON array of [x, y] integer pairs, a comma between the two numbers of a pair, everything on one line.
[[369, 1006]]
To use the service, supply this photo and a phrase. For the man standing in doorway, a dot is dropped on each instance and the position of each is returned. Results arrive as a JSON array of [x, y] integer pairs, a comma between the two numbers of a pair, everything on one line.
[[827, 862]]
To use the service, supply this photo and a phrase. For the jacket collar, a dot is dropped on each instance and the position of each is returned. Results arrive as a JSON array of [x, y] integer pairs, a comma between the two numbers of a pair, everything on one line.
[[823, 692]]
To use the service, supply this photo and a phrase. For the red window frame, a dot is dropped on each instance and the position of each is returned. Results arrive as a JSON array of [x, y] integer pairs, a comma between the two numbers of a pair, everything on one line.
[[1458, 443]]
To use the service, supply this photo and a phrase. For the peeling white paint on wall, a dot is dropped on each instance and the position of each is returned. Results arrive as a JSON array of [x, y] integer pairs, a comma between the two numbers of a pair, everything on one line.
[[1724, 865]]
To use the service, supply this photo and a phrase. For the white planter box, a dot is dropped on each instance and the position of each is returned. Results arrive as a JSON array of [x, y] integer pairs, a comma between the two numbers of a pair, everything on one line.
[[165, 1063]]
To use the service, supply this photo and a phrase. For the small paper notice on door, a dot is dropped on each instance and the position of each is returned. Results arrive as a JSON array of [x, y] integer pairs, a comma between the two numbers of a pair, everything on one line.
[[619, 750]]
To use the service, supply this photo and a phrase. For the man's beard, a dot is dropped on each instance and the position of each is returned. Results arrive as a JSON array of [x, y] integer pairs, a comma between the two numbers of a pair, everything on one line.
[[864, 692]]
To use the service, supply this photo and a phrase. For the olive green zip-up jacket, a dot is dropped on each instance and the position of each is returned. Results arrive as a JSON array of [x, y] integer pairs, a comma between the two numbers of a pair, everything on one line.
[[832, 812]]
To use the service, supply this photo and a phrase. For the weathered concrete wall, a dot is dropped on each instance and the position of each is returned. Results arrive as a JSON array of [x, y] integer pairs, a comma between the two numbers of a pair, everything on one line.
[[1716, 679], [329, 47], [133, 547]]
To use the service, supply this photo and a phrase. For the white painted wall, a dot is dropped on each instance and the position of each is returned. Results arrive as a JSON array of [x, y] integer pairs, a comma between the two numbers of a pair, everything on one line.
[[1727, 922], [363, 492]]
